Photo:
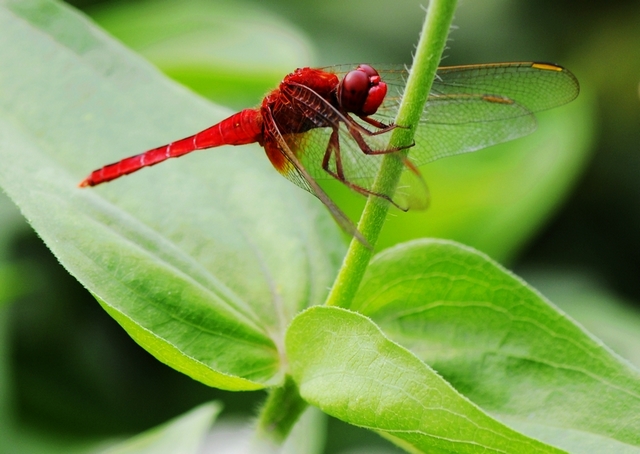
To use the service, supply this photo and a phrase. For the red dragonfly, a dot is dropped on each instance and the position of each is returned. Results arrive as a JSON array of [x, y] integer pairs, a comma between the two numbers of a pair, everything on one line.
[[334, 123]]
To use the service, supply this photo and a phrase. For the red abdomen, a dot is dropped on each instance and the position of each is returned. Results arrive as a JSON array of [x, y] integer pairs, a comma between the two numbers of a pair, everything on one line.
[[239, 129]]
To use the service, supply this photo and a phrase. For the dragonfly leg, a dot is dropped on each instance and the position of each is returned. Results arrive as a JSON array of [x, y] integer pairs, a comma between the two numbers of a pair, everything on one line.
[[364, 146], [382, 127], [334, 148]]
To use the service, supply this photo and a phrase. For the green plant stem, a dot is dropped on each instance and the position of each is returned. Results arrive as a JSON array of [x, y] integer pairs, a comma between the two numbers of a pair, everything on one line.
[[284, 405], [428, 54], [280, 412]]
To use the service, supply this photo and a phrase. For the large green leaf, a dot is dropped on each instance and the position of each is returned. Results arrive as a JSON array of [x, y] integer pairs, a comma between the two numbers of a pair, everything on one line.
[[599, 310], [345, 365], [503, 345], [203, 260]]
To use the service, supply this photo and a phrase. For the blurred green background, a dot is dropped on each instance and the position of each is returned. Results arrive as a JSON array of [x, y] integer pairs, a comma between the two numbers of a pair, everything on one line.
[[561, 207]]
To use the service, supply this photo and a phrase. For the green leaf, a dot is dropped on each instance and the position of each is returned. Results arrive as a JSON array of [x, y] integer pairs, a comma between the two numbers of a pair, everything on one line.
[[503, 345], [203, 259], [615, 321], [345, 365], [184, 434], [230, 52]]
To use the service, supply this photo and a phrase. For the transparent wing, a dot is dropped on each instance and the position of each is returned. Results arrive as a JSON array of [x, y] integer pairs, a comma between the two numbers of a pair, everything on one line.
[[357, 169], [475, 106]]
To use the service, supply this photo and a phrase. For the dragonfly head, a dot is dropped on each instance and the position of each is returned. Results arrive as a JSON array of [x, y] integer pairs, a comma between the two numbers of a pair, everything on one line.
[[361, 91]]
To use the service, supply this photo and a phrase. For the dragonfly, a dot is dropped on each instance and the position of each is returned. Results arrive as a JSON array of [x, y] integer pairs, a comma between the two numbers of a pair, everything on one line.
[[336, 122]]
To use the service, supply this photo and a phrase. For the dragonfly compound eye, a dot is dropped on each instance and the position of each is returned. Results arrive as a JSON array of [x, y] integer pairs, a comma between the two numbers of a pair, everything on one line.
[[369, 71], [354, 89], [362, 91]]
